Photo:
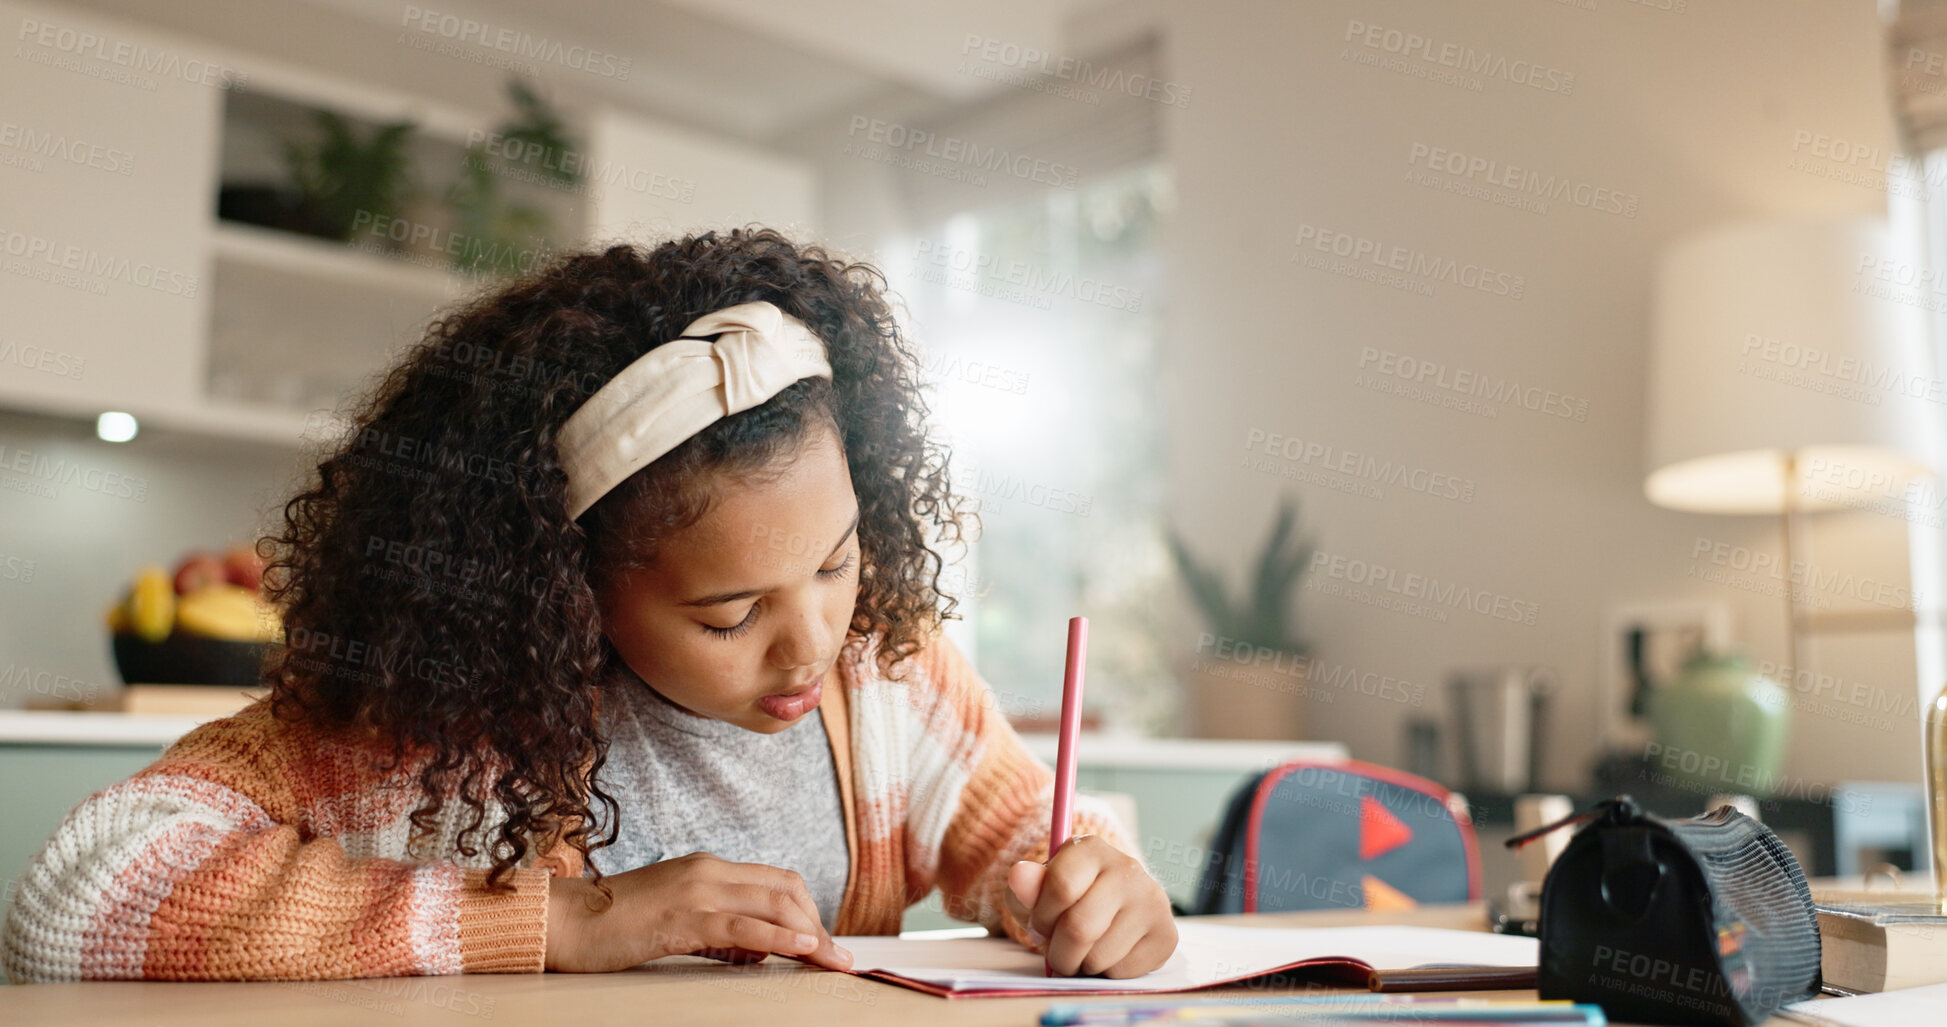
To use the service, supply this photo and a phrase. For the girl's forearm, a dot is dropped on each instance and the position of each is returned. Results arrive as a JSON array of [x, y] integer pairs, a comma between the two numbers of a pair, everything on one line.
[[176, 877]]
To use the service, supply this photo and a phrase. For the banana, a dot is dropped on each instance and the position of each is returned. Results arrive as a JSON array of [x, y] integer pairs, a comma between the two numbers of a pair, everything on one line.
[[227, 611], [152, 604]]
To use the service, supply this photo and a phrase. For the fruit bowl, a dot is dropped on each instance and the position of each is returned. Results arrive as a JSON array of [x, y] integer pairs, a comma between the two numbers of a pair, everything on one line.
[[189, 659], [206, 624]]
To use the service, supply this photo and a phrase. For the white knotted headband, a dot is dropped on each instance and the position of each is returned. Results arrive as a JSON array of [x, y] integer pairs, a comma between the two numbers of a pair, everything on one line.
[[680, 388]]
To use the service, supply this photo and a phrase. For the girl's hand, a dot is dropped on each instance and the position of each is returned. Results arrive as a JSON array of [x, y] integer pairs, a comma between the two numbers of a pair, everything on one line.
[[1095, 910], [697, 903]]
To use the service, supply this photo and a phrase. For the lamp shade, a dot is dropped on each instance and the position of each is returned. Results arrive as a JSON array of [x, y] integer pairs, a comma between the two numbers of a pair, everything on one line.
[[1775, 339]]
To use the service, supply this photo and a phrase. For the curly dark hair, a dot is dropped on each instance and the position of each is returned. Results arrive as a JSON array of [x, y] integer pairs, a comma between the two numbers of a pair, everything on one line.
[[438, 597]]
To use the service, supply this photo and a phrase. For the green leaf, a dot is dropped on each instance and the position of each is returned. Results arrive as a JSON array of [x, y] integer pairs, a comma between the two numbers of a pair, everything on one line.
[[1263, 615]]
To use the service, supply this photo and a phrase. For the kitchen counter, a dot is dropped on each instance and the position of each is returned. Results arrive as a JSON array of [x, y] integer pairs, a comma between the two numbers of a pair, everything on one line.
[[1114, 751], [151, 730], [1176, 787], [111, 730]]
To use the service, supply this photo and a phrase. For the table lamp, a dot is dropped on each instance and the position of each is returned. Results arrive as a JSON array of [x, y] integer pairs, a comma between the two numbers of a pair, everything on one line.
[[1787, 369], [1788, 373]]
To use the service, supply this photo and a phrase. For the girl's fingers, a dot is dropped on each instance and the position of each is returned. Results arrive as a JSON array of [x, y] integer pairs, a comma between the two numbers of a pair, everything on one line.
[[735, 938], [831, 956], [766, 902], [1116, 943], [791, 885], [1064, 884], [1081, 926], [735, 931], [782, 899], [1151, 952], [1023, 888], [1024, 883]]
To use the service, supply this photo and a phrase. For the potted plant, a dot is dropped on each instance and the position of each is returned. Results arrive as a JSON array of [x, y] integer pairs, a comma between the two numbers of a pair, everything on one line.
[[339, 175], [501, 233], [1246, 678]]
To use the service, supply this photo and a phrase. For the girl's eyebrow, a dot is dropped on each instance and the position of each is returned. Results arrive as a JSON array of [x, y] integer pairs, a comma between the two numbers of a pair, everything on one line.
[[719, 598]]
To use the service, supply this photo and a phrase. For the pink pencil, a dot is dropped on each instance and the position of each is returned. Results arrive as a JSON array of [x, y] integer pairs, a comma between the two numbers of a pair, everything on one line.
[[1071, 727]]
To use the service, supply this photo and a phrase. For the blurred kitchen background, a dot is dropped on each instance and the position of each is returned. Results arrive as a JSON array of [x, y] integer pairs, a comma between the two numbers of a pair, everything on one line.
[[1311, 348]]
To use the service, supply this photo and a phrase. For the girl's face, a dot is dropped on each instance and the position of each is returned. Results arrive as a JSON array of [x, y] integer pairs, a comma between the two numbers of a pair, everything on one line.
[[741, 614]]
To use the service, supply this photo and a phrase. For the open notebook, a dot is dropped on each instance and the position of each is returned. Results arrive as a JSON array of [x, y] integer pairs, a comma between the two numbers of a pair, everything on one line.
[[1206, 955], [1906, 1007]]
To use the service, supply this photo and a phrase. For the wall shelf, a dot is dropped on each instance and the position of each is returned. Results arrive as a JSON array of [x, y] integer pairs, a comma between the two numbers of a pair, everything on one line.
[[341, 264], [300, 324], [259, 334]]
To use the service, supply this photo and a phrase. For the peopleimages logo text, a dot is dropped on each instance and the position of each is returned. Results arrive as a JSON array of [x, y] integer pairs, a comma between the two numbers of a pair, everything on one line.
[[1855, 370], [954, 150], [519, 43], [89, 262], [1070, 69], [1509, 391], [1409, 261], [82, 43], [1424, 588], [1459, 57], [59, 470], [1361, 466], [1522, 180], [69, 149]]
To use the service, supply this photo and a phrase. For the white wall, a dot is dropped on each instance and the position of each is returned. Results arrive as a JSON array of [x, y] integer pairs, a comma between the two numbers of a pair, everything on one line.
[[1695, 113]]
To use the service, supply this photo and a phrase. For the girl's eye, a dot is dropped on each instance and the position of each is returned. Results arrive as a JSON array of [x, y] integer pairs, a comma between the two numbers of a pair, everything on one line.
[[752, 614], [736, 629]]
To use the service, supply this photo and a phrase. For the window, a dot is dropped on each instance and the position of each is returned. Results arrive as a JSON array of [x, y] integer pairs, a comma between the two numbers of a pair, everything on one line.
[[1039, 329]]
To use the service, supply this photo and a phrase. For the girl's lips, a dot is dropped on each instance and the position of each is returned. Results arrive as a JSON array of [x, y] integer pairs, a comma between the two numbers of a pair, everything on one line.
[[795, 705]]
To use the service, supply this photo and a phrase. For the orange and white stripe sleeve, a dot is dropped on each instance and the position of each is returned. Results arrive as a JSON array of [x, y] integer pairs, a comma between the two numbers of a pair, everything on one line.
[[199, 868]]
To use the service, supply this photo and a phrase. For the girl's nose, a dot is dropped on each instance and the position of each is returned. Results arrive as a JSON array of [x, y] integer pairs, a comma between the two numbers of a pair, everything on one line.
[[802, 642]]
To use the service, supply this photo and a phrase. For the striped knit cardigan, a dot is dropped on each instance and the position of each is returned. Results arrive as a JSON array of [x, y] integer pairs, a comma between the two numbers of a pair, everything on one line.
[[258, 850]]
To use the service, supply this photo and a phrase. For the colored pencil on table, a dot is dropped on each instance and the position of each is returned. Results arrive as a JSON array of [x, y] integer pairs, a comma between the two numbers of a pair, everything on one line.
[[1346, 1007]]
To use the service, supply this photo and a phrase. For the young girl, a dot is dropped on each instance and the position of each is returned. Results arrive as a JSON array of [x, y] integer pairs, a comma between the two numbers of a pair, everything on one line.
[[611, 634]]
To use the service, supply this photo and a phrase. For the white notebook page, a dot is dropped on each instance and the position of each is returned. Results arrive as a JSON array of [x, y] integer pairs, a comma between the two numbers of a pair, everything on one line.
[[1205, 954], [1907, 1007]]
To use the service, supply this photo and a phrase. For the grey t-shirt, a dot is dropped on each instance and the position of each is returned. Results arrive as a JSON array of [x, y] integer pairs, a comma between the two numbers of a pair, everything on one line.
[[693, 784]]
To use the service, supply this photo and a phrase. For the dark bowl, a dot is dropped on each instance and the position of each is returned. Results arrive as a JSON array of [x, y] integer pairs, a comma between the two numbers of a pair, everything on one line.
[[186, 659]]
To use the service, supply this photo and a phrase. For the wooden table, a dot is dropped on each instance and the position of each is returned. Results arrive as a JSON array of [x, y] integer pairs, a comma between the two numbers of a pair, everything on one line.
[[680, 990]]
